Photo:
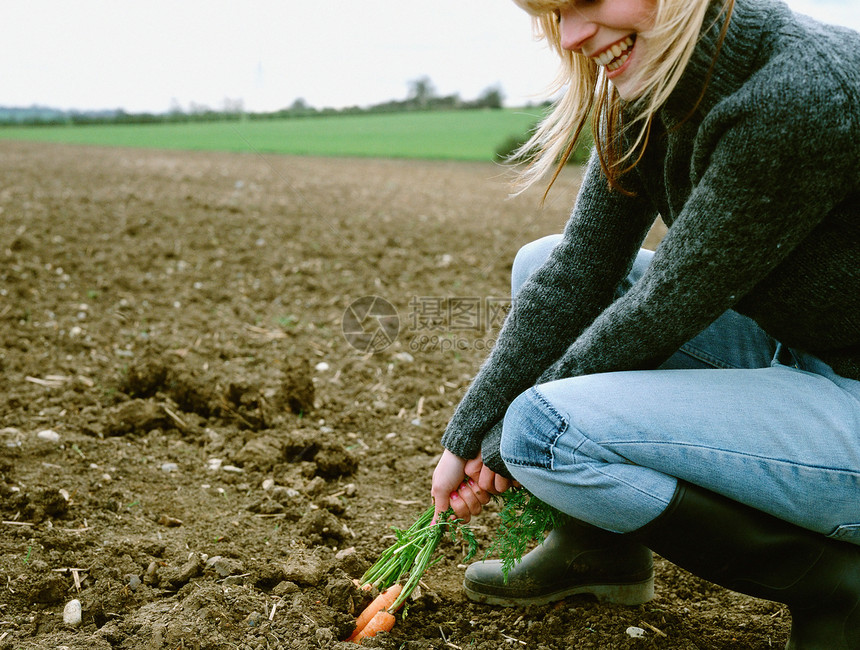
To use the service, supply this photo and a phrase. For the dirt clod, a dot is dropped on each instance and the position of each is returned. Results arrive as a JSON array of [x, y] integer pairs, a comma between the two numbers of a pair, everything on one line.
[[175, 577], [303, 568], [48, 588], [297, 387], [135, 416]]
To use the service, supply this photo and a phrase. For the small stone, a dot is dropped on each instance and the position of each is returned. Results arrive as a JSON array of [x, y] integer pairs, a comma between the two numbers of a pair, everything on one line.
[[445, 260], [169, 467], [223, 566], [151, 575], [268, 484], [50, 436], [170, 522], [214, 464], [635, 632], [345, 553], [72, 613], [316, 485], [285, 588], [322, 366], [333, 505], [405, 357], [284, 495]]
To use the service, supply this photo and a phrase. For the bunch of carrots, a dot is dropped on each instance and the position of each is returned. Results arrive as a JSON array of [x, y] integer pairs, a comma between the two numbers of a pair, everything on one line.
[[378, 616], [410, 555], [524, 519]]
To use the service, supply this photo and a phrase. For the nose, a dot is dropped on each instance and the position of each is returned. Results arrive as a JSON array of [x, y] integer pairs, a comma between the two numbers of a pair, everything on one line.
[[575, 29]]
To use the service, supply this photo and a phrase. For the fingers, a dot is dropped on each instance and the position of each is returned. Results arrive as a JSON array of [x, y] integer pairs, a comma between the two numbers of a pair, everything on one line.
[[441, 502], [501, 483], [494, 483], [460, 508], [485, 478], [482, 496], [465, 498], [469, 500], [487, 481], [473, 467], [446, 478]]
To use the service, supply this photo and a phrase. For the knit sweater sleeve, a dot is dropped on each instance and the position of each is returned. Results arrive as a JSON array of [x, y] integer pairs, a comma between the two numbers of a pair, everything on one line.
[[768, 166], [554, 305]]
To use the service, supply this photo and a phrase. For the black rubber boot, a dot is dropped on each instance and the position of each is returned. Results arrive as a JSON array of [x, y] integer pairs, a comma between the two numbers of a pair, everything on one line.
[[753, 553], [575, 559]]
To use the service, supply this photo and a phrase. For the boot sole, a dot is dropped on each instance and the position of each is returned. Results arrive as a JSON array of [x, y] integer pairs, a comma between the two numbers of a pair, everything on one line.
[[635, 593]]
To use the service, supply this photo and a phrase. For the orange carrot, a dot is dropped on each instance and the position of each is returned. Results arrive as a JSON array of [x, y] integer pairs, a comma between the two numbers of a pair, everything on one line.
[[381, 602], [382, 621]]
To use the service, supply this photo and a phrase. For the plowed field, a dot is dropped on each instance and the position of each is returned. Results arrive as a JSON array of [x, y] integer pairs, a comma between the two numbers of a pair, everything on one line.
[[203, 444]]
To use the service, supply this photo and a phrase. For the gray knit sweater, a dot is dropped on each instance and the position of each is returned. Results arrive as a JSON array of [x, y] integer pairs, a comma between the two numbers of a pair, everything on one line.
[[761, 193]]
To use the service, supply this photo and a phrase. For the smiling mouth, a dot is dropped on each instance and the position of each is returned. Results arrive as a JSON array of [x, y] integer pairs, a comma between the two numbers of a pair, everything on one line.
[[617, 55]]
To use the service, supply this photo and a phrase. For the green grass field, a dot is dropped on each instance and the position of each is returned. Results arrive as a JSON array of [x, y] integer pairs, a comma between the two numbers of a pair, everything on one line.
[[452, 135]]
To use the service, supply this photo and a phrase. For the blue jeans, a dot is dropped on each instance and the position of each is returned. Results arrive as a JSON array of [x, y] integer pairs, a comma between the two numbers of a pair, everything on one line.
[[733, 411]]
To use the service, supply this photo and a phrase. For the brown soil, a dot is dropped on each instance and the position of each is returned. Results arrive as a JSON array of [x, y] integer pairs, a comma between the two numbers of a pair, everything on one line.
[[223, 459]]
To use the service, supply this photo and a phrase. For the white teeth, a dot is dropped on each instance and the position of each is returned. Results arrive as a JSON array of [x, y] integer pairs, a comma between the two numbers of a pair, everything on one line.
[[615, 56], [617, 64]]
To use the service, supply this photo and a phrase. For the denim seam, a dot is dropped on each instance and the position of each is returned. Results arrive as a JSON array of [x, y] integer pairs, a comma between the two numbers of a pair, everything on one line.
[[700, 355], [559, 431], [549, 407]]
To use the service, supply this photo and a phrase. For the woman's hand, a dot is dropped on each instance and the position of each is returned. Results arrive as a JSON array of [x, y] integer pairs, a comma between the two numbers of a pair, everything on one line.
[[447, 478], [487, 479], [468, 500], [465, 486]]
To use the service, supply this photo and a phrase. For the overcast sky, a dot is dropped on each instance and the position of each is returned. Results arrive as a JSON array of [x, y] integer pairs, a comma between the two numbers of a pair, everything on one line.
[[148, 56]]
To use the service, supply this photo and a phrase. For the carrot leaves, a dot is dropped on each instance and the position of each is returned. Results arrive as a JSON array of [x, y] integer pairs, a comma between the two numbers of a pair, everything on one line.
[[412, 552], [524, 519]]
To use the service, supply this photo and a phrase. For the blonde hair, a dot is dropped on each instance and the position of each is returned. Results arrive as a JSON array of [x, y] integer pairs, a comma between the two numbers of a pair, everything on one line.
[[587, 93]]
